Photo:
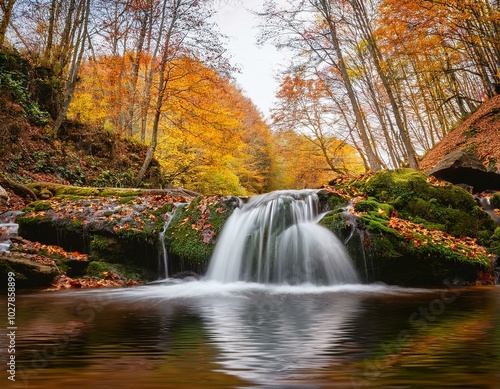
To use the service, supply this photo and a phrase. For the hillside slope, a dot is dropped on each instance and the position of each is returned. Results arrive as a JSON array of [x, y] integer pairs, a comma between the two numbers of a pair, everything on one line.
[[479, 135]]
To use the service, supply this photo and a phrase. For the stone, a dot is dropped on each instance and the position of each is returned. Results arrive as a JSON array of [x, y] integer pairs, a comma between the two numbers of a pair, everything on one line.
[[465, 169], [4, 196], [28, 269]]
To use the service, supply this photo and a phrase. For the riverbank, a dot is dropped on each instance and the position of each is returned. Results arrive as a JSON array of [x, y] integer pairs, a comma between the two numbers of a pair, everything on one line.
[[400, 227]]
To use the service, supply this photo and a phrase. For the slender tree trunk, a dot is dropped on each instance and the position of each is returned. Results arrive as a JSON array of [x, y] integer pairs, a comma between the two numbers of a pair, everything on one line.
[[373, 161], [6, 6], [163, 82], [360, 12], [75, 66], [135, 72], [50, 33]]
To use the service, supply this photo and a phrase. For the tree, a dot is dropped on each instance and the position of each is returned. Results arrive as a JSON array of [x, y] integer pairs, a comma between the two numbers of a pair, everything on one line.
[[384, 70], [77, 49], [312, 30], [184, 30], [302, 165], [305, 107], [6, 6]]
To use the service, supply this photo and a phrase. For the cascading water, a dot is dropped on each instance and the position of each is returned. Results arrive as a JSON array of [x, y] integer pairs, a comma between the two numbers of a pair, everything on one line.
[[164, 253], [275, 238], [8, 229]]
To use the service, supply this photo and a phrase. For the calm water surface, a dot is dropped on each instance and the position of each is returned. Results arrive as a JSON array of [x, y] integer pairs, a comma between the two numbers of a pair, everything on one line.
[[207, 335]]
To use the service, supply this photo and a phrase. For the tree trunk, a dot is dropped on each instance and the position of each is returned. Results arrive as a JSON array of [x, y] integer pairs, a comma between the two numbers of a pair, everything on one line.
[[75, 66], [6, 6], [163, 81], [360, 12], [373, 161]]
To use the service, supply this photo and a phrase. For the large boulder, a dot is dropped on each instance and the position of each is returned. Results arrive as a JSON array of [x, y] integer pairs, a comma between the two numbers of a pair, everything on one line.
[[30, 270], [462, 168]]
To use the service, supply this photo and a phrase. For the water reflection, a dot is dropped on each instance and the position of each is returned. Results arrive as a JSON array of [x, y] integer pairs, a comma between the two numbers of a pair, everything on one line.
[[266, 339], [203, 334]]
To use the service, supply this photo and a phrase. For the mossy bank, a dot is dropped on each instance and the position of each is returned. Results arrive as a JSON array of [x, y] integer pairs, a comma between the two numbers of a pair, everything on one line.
[[122, 231], [407, 228], [400, 227]]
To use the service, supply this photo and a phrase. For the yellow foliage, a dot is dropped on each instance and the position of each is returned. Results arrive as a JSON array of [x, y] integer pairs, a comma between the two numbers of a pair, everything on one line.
[[211, 138], [301, 164]]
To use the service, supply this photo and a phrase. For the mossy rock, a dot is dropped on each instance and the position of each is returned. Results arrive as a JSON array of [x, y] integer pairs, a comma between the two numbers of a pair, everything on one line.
[[495, 200], [96, 269], [383, 254], [193, 231], [106, 248], [494, 242], [37, 206], [447, 207], [329, 201], [371, 206], [80, 191], [28, 272]]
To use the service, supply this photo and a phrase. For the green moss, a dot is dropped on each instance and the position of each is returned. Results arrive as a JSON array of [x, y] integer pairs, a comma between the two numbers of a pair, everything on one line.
[[127, 199], [410, 259], [166, 208], [371, 206], [33, 220], [336, 201], [109, 192], [98, 243], [194, 246], [129, 272], [96, 268], [449, 208], [28, 272], [45, 194], [78, 191], [495, 200], [494, 241], [37, 206]]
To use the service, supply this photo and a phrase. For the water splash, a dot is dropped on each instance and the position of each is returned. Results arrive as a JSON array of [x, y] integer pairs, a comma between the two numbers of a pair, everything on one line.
[[275, 238]]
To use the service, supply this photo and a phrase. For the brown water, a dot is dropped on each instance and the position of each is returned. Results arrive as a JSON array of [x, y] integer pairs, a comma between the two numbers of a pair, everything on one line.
[[208, 335]]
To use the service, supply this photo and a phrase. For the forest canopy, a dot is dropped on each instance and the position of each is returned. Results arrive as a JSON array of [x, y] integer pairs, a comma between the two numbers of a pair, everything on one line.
[[372, 84]]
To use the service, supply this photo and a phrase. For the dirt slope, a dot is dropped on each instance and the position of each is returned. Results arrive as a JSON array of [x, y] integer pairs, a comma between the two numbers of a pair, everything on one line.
[[478, 135]]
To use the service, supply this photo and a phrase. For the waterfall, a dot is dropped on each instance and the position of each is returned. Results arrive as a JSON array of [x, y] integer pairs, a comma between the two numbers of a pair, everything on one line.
[[164, 253], [275, 238], [8, 229]]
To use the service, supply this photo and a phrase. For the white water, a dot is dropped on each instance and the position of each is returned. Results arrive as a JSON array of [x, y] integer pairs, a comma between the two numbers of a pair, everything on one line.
[[8, 229], [164, 254], [275, 238]]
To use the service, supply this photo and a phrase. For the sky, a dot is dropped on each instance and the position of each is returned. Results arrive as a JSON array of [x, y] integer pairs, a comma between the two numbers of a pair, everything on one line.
[[259, 65]]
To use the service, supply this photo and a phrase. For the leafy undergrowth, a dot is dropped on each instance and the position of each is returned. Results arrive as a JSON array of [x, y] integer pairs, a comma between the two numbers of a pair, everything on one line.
[[422, 237], [83, 155]]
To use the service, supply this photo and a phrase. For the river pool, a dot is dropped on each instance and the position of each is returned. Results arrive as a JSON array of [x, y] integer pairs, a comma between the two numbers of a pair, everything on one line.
[[201, 334]]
